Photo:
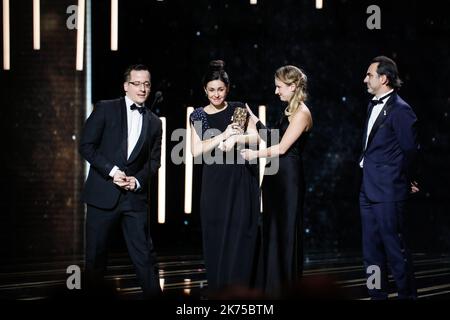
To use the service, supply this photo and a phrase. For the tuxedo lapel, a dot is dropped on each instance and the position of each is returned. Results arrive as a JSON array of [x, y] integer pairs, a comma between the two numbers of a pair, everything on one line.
[[369, 111], [381, 118], [141, 140], [124, 126]]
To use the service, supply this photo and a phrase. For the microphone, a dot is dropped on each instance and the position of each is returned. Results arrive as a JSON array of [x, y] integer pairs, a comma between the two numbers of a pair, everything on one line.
[[157, 99]]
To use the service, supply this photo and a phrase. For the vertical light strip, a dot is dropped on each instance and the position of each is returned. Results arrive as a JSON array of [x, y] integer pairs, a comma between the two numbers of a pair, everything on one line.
[[319, 4], [88, 83], [88, 58], [114, 24], [162, 176], [262, 145], [6, 43], [36, 24], [80, 34], [187, 285], [88, 97], [189, 165]]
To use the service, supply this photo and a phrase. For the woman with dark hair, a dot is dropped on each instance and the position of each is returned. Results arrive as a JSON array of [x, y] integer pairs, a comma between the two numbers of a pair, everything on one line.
[[229, 202], [283, 193]]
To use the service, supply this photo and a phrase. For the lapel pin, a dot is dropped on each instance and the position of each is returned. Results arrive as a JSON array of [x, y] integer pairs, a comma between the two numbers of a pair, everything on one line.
[[384, 112]]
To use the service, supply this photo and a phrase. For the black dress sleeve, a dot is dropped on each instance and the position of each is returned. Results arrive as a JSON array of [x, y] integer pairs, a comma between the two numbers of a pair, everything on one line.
[[199, 121]]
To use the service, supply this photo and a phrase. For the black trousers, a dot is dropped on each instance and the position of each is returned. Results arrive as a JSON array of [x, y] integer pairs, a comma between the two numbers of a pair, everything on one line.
[[99, 227]]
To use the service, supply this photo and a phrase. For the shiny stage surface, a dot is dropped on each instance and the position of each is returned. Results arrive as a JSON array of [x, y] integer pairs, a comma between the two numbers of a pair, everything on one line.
[[184, 277]]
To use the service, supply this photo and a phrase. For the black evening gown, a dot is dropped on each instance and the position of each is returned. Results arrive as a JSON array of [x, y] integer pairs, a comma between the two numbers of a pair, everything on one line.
[[229, 209], [283, 198]]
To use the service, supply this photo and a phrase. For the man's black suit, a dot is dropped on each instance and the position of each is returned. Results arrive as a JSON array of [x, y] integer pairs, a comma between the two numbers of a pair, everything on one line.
[[104, 145]]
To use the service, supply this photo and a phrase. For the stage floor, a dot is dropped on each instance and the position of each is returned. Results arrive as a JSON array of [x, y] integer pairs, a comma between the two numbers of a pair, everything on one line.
[[183, 277]]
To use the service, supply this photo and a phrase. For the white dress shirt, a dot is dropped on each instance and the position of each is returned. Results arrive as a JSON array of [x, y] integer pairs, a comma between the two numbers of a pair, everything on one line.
[[134, 122], [373, 117]]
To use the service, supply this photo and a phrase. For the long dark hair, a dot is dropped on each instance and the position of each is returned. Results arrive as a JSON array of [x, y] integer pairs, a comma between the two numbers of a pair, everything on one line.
[[216, 72], [388, 67]]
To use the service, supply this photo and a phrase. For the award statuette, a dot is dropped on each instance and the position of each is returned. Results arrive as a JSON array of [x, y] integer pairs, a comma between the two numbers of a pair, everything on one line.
[[240, 116]]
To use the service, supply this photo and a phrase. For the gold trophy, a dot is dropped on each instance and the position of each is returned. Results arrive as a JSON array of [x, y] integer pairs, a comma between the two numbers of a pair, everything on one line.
[[240, 117]]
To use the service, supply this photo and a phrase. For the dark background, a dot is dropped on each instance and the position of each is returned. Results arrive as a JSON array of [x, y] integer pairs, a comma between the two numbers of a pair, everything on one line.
[[42, 108]]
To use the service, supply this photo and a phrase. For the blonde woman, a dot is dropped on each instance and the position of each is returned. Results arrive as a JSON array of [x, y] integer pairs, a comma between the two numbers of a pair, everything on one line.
[[283, 193]]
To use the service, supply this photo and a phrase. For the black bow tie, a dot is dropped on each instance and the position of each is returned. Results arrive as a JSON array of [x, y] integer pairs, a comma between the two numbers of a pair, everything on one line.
[[140, 109], [374, 102]]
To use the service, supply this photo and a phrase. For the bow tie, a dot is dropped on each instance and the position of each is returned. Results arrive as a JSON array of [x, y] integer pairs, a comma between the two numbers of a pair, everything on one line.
[[374, 102], [140, 109]]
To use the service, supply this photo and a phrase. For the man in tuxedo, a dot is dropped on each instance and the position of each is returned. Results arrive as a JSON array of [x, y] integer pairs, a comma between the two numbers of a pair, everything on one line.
[[389, 151], [122, 143]]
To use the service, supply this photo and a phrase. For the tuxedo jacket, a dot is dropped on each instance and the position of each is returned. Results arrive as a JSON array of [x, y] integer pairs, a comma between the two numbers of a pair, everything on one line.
[[391, 152], [104, 145]]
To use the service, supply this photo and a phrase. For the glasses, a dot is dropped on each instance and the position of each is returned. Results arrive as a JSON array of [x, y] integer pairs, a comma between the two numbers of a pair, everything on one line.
[[139, 84]]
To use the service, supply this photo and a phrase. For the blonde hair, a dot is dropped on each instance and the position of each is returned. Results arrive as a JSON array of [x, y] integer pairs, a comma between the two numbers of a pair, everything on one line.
[[293, 75]]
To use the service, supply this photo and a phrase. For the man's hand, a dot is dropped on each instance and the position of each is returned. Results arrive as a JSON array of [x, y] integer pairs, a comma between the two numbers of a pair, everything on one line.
[[414, 187], [131, 183], [120, 178], [123, 181]]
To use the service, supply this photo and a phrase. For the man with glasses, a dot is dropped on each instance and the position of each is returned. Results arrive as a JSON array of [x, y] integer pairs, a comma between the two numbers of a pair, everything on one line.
[[121, 141]]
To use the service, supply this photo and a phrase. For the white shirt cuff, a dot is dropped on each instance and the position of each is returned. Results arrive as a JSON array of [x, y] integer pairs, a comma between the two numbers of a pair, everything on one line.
[[113, 171], [138, 185]]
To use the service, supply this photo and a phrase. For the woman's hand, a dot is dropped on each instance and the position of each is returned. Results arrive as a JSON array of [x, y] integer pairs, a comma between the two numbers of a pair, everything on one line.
[[232, 129], [228, 144], [249, 154], [252, 115]]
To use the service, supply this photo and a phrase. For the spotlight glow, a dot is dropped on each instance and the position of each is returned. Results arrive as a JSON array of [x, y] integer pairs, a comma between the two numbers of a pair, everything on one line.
[[36, 25], [319, 4], [114, 25], [80, 34], [6, 43]]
